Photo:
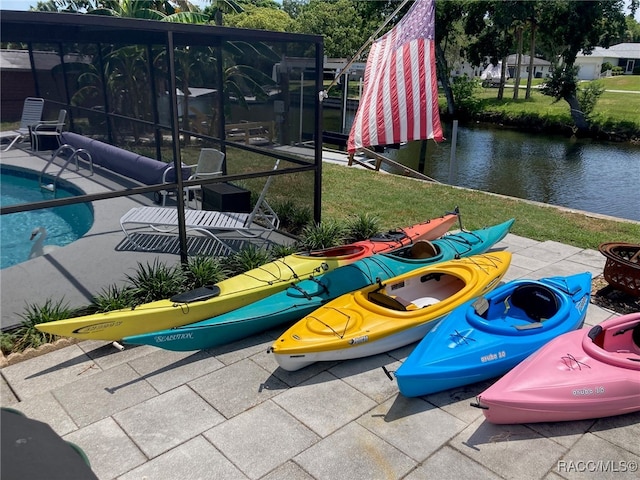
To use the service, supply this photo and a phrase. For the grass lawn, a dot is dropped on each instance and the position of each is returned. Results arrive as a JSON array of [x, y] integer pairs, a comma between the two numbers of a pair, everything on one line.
[[622, 82], [399, 201], [612, 107]]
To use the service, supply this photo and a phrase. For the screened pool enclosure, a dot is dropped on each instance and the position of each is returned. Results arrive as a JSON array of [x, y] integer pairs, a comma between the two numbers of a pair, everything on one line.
[[167, 90]]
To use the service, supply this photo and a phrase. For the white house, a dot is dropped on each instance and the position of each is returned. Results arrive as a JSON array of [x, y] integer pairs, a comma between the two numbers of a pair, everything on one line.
[[541, 68], [625, 55]]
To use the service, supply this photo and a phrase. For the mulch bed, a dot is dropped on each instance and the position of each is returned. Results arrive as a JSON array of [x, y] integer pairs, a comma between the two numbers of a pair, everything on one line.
[[605, 296]]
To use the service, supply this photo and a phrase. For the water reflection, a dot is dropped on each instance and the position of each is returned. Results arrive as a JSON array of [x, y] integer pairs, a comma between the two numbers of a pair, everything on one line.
[[598, 177]]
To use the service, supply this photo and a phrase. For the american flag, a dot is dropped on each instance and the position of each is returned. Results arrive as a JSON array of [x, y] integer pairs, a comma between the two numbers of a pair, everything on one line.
[[400, 98]]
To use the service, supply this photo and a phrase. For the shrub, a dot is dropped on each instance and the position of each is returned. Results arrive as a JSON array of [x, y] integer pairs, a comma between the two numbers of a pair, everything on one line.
[[279, 251], [293, 217], [203, 270], [588, 96], [464, 88], [155, 282], [7, 343], [323, 235], [364, 226], [562, 83], [247, 258], [112, 298], [27, 335]]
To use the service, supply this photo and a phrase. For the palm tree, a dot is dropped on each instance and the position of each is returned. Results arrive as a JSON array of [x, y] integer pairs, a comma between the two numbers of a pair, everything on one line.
[[180, 11], [532, 54], [125, 75], [519, 28], [126, 68]]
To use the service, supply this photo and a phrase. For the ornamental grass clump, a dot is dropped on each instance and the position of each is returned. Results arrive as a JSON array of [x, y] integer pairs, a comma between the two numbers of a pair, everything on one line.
[[155, 281], [204, 270], [362, 227], [293, 217], [323, 235], [247, 258], [279, 251], [27, 335], [110, 298]]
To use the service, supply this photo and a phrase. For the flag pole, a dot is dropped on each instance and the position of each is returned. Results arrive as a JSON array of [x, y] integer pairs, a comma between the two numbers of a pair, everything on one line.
[[325, 93]]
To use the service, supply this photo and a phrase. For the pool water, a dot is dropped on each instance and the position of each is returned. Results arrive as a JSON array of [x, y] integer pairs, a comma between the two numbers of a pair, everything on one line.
[[63, 224]]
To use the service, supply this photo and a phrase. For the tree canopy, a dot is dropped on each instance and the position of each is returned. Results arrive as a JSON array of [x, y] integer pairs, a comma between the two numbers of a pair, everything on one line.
[[261, 18], [337, 21], [466, 30]]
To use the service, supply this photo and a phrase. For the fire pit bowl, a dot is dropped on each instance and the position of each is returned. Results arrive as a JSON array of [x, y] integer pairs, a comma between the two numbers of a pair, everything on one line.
[[622, 269]]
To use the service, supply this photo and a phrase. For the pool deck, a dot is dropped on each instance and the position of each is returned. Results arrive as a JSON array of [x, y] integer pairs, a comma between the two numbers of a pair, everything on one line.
[[230, 412], [68, 274]]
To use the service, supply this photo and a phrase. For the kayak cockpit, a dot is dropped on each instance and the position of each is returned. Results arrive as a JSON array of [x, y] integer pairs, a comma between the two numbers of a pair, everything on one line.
[[619, 346]]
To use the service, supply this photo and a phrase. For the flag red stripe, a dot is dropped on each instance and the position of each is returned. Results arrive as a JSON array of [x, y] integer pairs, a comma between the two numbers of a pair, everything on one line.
[[400, 98]]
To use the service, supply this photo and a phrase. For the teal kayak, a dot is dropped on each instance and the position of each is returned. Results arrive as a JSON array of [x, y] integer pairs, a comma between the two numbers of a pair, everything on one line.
[[303, 297]]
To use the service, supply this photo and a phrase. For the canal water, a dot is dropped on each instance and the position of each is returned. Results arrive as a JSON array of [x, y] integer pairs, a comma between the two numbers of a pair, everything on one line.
[[582, 174]]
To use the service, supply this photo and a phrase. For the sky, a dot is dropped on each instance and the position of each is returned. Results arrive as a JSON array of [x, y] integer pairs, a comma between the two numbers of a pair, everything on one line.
[[25, 4]]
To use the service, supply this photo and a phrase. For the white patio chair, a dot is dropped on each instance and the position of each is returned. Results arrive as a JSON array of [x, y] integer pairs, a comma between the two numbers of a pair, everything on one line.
[[47, 135], [31, 114], [209, 165]]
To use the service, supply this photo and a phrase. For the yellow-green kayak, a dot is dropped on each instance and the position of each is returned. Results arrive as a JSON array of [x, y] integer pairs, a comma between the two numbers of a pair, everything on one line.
[[239, 290]]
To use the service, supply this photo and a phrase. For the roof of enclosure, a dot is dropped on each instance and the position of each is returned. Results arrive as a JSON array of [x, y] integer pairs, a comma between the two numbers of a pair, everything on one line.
[[71, 27], [67, 32]]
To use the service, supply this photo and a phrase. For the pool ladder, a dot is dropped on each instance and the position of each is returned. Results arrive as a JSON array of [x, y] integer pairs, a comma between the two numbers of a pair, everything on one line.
[[71, 154]]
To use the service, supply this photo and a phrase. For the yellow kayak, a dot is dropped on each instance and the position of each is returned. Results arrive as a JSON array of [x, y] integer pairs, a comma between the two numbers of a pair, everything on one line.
[[389, 315], [239, 290]]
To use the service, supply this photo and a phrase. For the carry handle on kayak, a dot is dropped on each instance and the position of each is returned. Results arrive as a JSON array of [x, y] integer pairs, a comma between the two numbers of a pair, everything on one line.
[[387, 373], [477, 404]]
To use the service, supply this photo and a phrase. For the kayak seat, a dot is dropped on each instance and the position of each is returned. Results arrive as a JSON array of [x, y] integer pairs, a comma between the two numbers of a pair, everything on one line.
[[197, 295], [394, 303], [423, 249], [597, 334], [424, 302], [536, 301]]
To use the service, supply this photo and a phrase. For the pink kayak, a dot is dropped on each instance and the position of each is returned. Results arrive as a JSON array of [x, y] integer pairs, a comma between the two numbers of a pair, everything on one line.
[[587, 373]]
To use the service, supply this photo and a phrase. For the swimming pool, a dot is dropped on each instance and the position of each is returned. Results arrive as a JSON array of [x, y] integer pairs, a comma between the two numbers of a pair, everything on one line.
[[63, 224]]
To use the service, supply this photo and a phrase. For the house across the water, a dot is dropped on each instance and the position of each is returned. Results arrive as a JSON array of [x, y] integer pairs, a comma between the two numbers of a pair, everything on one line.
[[624, 55]]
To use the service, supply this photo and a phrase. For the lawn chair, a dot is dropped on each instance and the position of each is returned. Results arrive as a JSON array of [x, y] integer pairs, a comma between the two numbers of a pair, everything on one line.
[[31, 114], [260, 222], [209, 165], [47, 135]]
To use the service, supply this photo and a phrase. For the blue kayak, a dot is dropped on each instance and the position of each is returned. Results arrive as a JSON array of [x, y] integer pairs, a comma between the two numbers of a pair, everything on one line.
[[487, 337], [307, 295]]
